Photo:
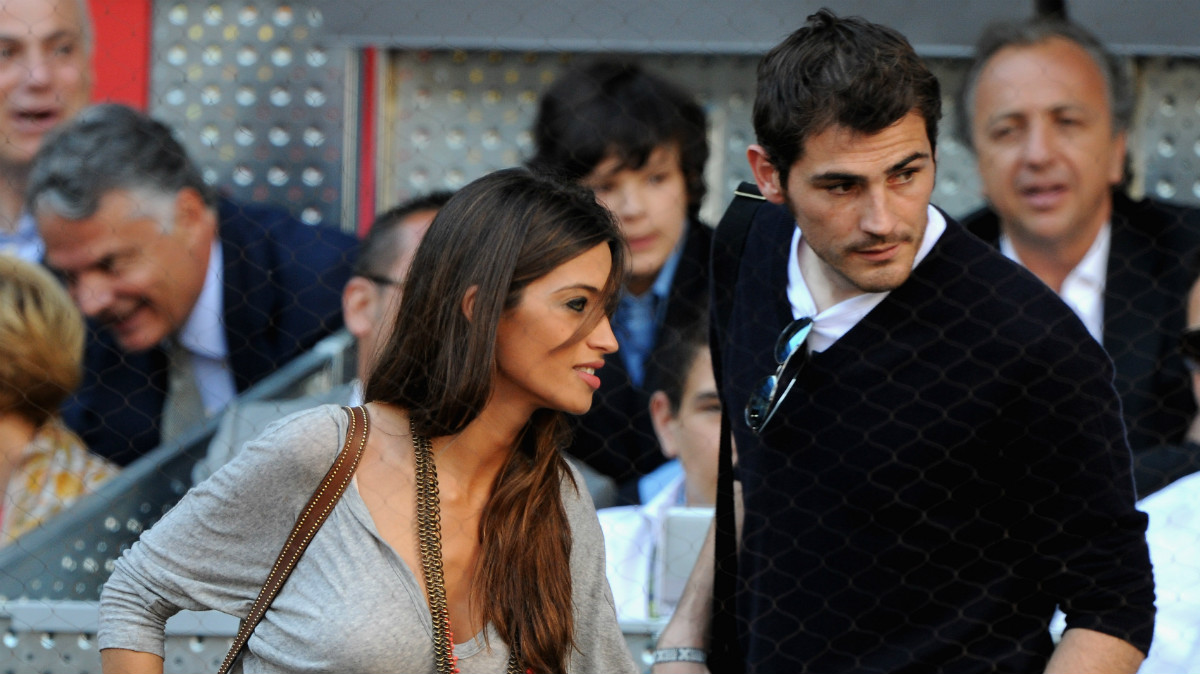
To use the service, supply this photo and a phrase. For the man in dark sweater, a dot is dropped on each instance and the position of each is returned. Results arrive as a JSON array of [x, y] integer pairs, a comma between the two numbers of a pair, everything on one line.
[[931, 456]]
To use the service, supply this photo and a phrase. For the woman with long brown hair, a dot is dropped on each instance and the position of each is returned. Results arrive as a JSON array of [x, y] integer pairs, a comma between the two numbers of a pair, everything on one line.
[[464, 541]]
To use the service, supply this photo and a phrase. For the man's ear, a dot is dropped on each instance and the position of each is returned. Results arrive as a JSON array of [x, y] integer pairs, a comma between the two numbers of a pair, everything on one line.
[[661, 417], [1116, 162], [358, 306], [765, 174], [468, 301], [194, 217]]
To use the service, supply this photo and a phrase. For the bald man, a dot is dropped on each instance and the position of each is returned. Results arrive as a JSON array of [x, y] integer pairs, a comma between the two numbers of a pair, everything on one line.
[[45, 79]]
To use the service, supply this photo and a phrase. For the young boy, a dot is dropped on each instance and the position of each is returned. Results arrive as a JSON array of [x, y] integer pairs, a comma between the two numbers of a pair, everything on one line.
[[640, 143], [687, 419]]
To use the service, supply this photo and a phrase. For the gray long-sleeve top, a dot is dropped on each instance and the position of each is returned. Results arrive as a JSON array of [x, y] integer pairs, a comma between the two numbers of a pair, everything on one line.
[[351, 604]]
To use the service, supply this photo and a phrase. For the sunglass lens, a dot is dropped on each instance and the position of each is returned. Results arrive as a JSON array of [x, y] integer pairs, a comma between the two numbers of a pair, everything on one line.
[[760, 402], [792, 338]]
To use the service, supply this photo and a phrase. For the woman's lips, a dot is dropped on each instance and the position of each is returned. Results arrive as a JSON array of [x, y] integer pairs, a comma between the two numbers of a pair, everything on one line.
[[587, 372]]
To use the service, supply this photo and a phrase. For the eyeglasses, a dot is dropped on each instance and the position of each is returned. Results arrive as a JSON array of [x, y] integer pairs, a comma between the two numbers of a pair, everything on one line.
[[790, 354], [382, 280], [1189, 345]]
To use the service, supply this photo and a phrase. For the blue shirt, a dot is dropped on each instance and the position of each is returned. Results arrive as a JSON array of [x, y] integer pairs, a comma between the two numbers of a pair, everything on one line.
[[638, 318], [651, 484], [25, 242]]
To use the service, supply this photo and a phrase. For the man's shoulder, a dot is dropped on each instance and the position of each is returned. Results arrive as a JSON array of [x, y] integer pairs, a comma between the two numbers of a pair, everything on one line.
[[699, 241], [772, 226], [269, 238], [283, 284], [103, 355], [983, 223], [1127, 205], [970, 274], [244, 224], [968, 256], [1158, 219], [691, 274]]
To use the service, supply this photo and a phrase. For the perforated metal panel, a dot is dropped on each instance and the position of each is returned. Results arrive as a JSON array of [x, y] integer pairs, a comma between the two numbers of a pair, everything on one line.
[[1166, 147], [957, 188], [455, 115], [60, 636], [256, 95]]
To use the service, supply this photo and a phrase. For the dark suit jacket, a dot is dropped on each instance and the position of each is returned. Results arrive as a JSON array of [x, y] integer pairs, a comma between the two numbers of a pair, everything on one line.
[[1151, 266], [616, 437], [283, 285]]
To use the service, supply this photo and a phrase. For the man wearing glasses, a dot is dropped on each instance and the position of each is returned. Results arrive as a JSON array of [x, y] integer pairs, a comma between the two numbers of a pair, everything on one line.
[[931, 452]]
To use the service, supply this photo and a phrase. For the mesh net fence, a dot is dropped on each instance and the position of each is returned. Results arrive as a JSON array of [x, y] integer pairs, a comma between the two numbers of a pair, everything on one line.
[[937, 482]]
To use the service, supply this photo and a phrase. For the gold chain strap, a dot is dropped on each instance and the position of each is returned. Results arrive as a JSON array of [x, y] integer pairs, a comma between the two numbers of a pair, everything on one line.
[[429, 537]]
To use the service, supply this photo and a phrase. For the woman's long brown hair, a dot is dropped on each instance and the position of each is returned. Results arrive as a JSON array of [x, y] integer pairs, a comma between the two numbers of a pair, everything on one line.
[[498, 234]]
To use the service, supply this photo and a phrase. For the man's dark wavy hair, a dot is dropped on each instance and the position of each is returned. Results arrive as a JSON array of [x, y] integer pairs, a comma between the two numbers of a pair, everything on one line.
[[839, 72], [617, 108]]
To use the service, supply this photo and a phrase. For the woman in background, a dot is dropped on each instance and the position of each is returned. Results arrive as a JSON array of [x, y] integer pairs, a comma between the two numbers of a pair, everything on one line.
[[502, 326], [44, 467]]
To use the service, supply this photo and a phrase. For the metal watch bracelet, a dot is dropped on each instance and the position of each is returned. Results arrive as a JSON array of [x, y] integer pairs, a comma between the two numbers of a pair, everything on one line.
[[680, 655]]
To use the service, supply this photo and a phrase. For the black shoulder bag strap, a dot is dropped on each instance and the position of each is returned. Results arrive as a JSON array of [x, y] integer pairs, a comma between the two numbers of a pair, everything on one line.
[[729, 242]]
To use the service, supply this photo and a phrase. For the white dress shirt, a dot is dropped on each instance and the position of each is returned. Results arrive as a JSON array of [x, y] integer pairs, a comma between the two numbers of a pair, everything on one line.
[[632, 538], [204, 336], [1083, 288], [1174, 538], [831, 324]]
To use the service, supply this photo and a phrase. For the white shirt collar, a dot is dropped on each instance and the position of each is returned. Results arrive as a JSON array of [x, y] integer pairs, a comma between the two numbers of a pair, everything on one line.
[[1083, 287], [831, 324], [204, 334]]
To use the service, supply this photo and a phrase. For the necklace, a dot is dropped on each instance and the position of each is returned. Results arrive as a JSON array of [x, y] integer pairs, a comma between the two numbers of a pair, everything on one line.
[[429, 538]]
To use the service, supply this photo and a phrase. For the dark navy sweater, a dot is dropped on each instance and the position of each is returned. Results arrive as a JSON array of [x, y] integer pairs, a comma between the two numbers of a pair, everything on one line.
[[937, 481]]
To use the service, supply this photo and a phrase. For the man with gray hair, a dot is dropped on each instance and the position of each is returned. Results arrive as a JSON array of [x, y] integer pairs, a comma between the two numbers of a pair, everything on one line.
[[191, 298], [45, 79], [1047, 110]]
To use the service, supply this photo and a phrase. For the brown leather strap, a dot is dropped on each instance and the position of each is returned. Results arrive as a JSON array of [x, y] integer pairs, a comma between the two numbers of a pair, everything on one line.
[[310, 520]]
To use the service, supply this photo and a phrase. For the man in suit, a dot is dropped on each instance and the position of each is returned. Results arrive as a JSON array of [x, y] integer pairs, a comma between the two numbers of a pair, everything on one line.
[[191, 298], [369, 304], [639, 142], [1047, 111], [45, 79]]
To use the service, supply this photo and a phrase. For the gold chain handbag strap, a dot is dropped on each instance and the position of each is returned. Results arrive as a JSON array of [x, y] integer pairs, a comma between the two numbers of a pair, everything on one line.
[[429, 537], [310, 520]]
